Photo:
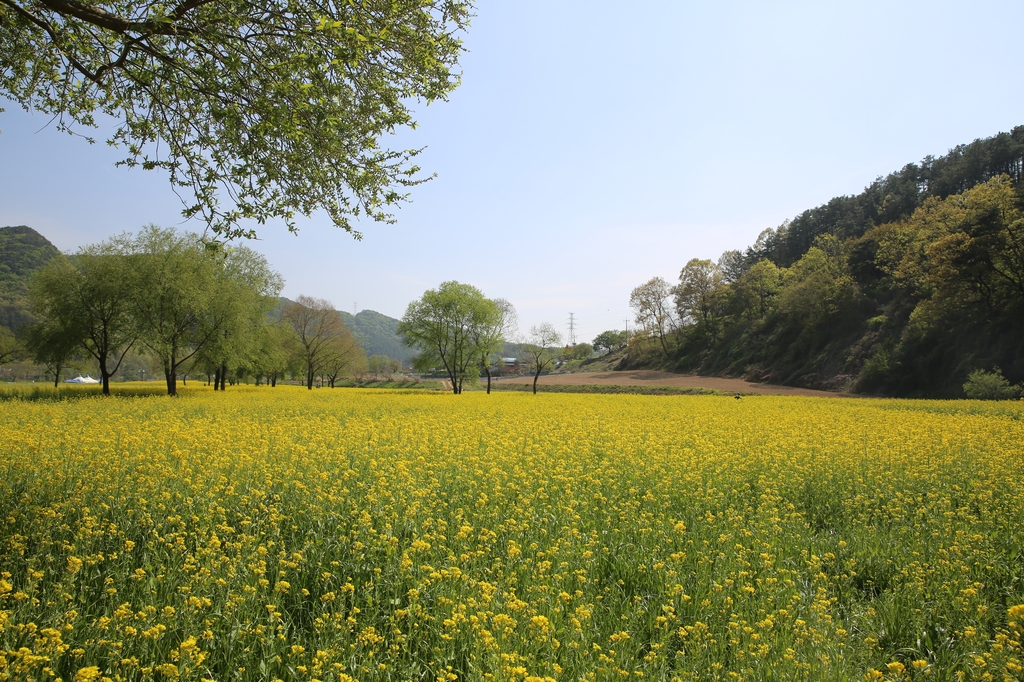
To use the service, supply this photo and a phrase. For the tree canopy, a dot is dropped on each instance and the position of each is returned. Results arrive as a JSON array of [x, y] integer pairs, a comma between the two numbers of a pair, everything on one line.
[[490, 334], [254, 110], [324, 342], [654, 313], [170, 292], [695, 293], [894, 197], [453, 326], [611, 340], [542, 349], [189, 298], [907, 288], [84, 302]]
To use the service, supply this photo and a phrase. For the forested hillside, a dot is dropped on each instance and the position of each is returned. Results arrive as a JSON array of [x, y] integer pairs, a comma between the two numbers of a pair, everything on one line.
[[376, 333], [22, 252], [894, 197], [903, 289]]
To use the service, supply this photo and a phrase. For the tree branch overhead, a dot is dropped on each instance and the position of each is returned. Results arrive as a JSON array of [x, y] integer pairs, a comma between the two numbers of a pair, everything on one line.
[[266, 111]]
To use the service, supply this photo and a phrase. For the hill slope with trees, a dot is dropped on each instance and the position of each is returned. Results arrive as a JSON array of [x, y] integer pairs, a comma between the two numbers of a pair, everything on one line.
[[904, 289], [377, 334], [23, 251]]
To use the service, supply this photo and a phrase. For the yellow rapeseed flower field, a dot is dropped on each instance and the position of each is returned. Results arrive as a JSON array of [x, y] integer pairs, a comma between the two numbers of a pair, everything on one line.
[[344, 535]]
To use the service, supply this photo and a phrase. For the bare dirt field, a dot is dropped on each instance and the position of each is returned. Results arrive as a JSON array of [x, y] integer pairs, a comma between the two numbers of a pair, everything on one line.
[[648, 377]]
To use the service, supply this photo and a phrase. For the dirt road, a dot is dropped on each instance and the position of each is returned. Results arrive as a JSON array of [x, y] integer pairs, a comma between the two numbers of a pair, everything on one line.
[[648, 377]]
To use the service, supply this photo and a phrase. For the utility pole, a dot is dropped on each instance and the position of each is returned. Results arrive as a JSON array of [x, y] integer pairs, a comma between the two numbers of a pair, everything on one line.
[[627, 324], [572, 329]]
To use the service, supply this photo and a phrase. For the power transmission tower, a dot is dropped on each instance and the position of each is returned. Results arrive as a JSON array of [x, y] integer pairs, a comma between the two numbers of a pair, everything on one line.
[[572, 329], [355, 308]]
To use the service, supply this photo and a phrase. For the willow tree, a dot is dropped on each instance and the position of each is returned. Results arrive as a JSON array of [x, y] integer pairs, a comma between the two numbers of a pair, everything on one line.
[[188, 296], [491, 332], [245, 291], [446, 325], [85, 300], [320, 332], [254, 110]]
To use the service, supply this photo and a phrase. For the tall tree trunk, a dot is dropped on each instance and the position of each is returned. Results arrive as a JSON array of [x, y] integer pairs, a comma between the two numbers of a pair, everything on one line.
[[56, 376], [171, 371], [223, 375], [172, 387], [273, 380], [535, 377], [103, 373], [216, 379], [309, 377], [487, 370]]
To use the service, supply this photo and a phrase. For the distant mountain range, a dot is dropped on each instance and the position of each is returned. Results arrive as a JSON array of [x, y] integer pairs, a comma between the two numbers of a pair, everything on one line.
[[23, 251]]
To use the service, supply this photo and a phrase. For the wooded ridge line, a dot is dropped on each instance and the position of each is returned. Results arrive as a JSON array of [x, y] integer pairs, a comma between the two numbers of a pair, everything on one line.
[[904, 289]]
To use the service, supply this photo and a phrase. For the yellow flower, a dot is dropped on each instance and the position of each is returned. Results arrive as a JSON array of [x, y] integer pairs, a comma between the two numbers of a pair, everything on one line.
[[168, 670], [1015, 614], [503, 529], [88, 674]]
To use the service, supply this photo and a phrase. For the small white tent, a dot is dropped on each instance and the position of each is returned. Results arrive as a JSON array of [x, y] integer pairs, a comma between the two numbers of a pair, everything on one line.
[[87, 379]]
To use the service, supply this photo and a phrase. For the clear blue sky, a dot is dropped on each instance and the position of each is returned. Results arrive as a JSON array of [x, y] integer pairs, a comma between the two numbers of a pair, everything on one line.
[[594, 145]]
